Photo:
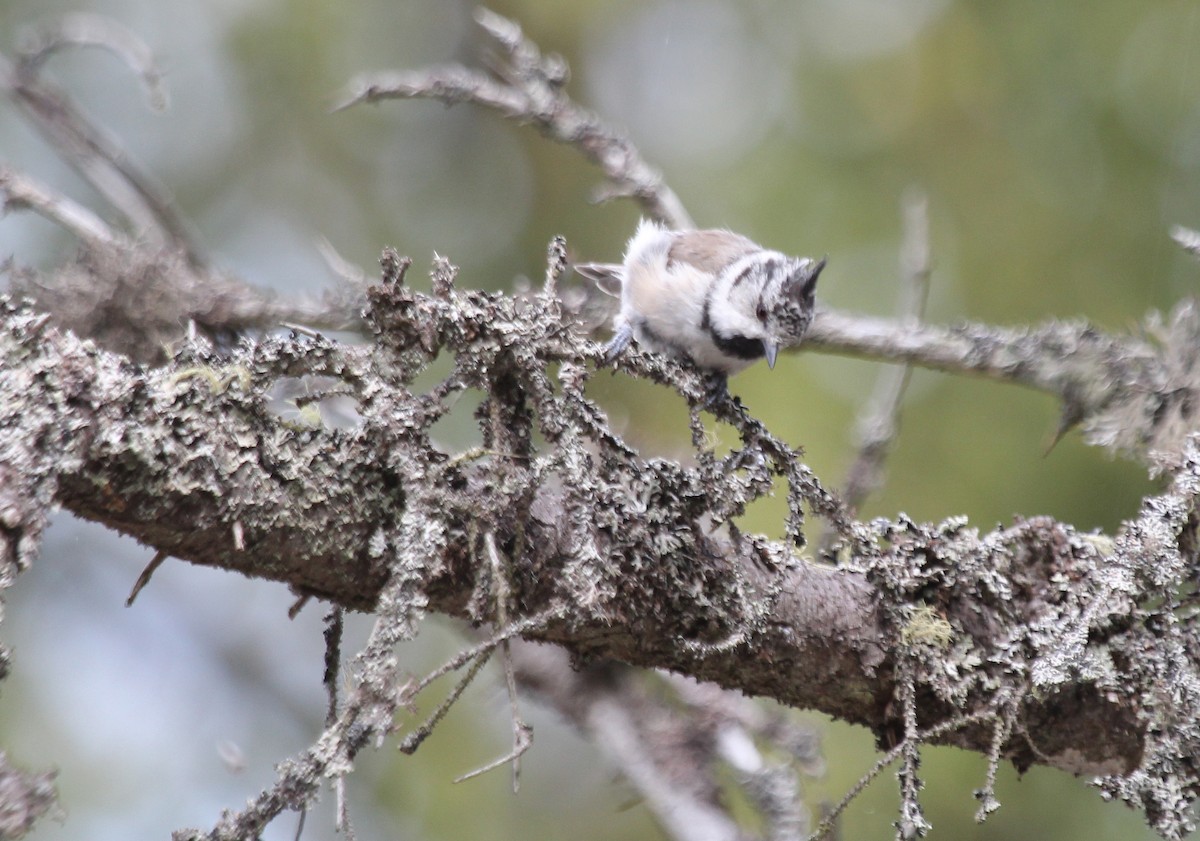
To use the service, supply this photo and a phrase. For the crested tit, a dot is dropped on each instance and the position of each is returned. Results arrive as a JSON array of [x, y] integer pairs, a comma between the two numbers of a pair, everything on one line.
[[714, 297]]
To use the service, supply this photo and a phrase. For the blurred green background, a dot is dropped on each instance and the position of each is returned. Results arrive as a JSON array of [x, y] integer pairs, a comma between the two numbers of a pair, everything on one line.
[[1057, 143]]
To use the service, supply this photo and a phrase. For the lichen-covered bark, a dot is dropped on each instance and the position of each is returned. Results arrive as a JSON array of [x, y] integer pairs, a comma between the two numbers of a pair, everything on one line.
[[1034, 628]]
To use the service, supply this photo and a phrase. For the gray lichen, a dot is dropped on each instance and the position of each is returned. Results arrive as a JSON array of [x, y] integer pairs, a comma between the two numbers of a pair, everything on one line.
[[1032, 643]]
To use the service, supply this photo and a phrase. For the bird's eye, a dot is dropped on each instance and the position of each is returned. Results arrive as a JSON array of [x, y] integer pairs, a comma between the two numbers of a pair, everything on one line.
[[761, 312]]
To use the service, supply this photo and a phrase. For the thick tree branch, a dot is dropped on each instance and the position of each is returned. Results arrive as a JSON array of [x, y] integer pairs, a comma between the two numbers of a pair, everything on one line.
[[188, 457]]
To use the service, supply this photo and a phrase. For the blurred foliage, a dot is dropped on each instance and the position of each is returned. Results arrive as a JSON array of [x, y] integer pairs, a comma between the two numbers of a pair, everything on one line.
[[1057, 143]]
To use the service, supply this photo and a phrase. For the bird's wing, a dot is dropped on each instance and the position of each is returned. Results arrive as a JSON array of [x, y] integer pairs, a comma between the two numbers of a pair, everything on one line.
[[709, 251], [608, 277]]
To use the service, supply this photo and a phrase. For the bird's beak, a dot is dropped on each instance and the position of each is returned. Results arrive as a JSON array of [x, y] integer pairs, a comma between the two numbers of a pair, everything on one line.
[[770, 350]]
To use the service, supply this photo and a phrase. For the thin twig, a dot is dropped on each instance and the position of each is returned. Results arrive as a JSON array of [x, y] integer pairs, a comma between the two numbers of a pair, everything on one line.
[[879, 424], [522, 732], [85, 29], [528, 88], [830, 818], [339, 265], [333, 660], [19, 191], [480, 654], [456, 662], [522, 741], [147, 574], [95, 154], [298, 605], [413, 740]]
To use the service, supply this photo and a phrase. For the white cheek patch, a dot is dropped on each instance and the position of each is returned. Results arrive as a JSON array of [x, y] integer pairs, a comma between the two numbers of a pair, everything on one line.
[[735, 313]]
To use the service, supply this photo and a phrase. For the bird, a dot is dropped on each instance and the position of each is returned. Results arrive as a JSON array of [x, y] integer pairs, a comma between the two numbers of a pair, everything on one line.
[[713, 297]]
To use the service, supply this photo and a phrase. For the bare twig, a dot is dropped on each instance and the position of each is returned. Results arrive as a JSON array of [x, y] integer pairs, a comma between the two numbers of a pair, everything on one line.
[[333, 661], [298, 605], [301, 821], [829, 820], [84, 29], [414, 739], [333, 634], [465, 656], [478, 656], [502, 595], [878, 426], [348, 272], [522, 741], [21, 191], [528, 88], [147, 574], [145, 203]]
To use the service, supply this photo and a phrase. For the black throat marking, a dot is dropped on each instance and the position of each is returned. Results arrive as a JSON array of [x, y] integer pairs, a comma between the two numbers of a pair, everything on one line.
[[737, 346]]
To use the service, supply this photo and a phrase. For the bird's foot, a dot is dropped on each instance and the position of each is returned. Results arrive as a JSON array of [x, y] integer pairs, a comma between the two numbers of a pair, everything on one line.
[[618, 343]]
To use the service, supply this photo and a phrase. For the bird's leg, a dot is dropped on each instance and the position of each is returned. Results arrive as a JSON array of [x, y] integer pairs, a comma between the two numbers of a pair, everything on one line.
[[716, 389], [618, 343]]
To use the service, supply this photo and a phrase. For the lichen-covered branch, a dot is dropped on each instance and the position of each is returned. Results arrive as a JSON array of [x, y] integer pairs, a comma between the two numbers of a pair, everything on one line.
[[191, 459], [1132, 394]]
